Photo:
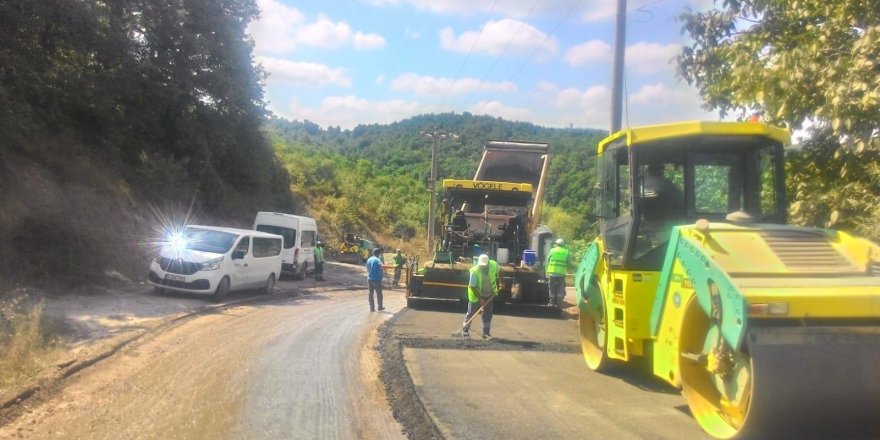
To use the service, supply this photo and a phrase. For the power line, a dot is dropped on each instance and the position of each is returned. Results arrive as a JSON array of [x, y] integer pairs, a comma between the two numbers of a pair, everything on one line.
[[503, 52], [467, 57]]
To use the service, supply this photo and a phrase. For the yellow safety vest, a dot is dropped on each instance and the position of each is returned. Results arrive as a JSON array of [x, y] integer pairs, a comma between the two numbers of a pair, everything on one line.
[[474, 293]]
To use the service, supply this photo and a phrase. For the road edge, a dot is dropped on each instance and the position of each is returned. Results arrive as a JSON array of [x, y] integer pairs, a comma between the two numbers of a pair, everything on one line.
[[48, 384], [406, 406]]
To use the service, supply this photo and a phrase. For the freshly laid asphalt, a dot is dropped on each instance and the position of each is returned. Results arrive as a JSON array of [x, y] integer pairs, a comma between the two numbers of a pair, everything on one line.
[[529, 382]]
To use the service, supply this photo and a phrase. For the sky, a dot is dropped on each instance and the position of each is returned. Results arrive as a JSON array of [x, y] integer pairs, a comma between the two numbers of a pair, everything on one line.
[[548, 62]]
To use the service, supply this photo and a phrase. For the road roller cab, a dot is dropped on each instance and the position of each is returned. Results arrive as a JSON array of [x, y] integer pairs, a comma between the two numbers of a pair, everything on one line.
[[696, 271]]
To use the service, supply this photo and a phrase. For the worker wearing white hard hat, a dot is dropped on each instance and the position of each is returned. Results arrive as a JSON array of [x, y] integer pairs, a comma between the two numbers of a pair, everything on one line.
[[555, 268], [482, 290]]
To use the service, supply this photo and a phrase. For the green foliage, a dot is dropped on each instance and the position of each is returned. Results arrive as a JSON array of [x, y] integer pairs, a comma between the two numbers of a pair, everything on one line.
[[381, 172], [164, 92], [791, 60], [833, 186], [798, 61]]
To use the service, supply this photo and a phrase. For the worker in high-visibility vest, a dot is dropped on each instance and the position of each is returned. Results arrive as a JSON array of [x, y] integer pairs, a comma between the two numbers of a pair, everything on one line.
[[482, 289], [556, 267], [318, 254]]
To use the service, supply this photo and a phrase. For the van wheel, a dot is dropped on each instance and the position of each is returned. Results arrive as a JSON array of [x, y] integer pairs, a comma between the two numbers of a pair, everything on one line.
[[222, 290], [270, 285], [301, 275]]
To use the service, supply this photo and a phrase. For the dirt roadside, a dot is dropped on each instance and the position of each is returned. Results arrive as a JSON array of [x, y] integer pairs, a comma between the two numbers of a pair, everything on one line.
[[100, 321]]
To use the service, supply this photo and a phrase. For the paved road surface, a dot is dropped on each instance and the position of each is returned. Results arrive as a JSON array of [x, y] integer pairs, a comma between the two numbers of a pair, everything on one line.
[[305, 367], [530, 382]]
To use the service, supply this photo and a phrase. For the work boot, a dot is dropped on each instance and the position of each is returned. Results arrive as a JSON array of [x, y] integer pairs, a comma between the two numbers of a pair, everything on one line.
[[487, 336], [381, 308]]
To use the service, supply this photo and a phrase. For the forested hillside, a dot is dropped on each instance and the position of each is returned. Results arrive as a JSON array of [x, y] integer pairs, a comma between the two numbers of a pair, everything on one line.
[[374, 178], [110, 108]]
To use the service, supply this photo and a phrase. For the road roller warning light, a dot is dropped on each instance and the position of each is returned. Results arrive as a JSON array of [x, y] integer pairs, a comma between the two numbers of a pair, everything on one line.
[[775, 308], [696, 269]]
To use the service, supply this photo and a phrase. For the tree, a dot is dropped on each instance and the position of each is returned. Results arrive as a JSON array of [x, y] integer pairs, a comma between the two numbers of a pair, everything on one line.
[[789, 60], [797, 61]]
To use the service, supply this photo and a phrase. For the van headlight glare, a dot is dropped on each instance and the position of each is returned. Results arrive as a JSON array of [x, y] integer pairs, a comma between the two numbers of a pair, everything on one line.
[[211, 264]]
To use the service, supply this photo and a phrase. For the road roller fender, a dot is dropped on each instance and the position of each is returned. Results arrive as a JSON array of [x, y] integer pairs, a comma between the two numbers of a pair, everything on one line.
[[589, 267], [718, 297]]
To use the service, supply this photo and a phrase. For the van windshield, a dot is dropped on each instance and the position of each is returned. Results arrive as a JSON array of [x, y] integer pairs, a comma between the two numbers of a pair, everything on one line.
[[288, 234], [209, 241]]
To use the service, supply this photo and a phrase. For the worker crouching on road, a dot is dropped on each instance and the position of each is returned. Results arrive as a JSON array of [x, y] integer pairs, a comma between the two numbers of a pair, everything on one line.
[[556, 267], [318, 253], [374, 278], [399, 261], [482, 289]]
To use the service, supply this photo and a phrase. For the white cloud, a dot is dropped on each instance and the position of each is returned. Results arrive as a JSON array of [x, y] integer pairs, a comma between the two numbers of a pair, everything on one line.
[[657, 103], [439, 87], [548, 86], [585, 10], [588, 52], [282, 29], [311, 74], [649, 58], [411, 34], [500, 110], [380, 79], [349, 111], [274, 32], [324, 33], [595, 96], [368, 41], [506, 34]]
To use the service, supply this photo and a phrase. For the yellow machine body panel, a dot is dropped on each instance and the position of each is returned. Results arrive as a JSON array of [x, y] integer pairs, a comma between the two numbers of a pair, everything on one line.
[[653, 133], [769, 329], [629, 295], [486, 185]]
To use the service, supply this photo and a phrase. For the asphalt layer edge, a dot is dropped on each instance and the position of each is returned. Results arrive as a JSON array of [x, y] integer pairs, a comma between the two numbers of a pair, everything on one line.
[[406, 406]]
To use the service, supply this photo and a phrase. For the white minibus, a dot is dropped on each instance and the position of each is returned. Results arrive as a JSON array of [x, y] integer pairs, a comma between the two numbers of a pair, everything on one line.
[[300, 235]]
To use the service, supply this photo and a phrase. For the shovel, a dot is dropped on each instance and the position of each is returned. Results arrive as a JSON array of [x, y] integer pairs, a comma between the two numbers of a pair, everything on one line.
[[460, 332]]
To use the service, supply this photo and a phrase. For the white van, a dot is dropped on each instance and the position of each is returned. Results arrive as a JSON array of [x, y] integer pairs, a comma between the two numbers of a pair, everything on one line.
[[209, 259], [300, 236]]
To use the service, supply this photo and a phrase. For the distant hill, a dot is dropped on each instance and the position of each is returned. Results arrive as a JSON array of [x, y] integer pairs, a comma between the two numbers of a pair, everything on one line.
[[377, 160]]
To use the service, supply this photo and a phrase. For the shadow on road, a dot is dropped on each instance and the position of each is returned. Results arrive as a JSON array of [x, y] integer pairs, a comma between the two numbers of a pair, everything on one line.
[[507, 309]]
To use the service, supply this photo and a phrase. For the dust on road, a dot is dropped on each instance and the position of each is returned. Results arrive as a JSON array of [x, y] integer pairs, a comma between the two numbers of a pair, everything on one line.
[[302, 368]]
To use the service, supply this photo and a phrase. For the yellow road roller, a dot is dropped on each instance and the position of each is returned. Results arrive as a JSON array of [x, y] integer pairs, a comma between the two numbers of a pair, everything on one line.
[[770, 330]]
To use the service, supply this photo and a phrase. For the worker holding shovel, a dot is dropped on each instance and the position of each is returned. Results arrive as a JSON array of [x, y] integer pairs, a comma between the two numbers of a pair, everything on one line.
[[482, 289]]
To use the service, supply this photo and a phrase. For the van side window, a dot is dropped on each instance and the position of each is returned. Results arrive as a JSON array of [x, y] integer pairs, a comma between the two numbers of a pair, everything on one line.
[[289, 234], [308, 238], [243, 245], [266, 247]]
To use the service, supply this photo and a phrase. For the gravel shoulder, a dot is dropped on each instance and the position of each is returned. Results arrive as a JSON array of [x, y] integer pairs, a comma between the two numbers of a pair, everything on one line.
[[301, 363]]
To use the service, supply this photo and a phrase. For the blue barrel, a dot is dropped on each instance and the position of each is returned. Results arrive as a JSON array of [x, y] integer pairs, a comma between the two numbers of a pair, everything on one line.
[[476, 250], [529, 257]]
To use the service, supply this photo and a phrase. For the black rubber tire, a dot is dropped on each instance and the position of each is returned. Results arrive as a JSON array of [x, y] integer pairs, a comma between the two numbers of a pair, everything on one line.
[[301, 274], [269, 288], [222, 289]]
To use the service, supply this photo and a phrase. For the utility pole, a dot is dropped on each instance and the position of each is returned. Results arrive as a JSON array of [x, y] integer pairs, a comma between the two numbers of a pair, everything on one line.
[[434, 135], [617, 73]]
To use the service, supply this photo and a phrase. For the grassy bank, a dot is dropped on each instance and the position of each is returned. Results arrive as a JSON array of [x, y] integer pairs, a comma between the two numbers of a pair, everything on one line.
[[29, 339]]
